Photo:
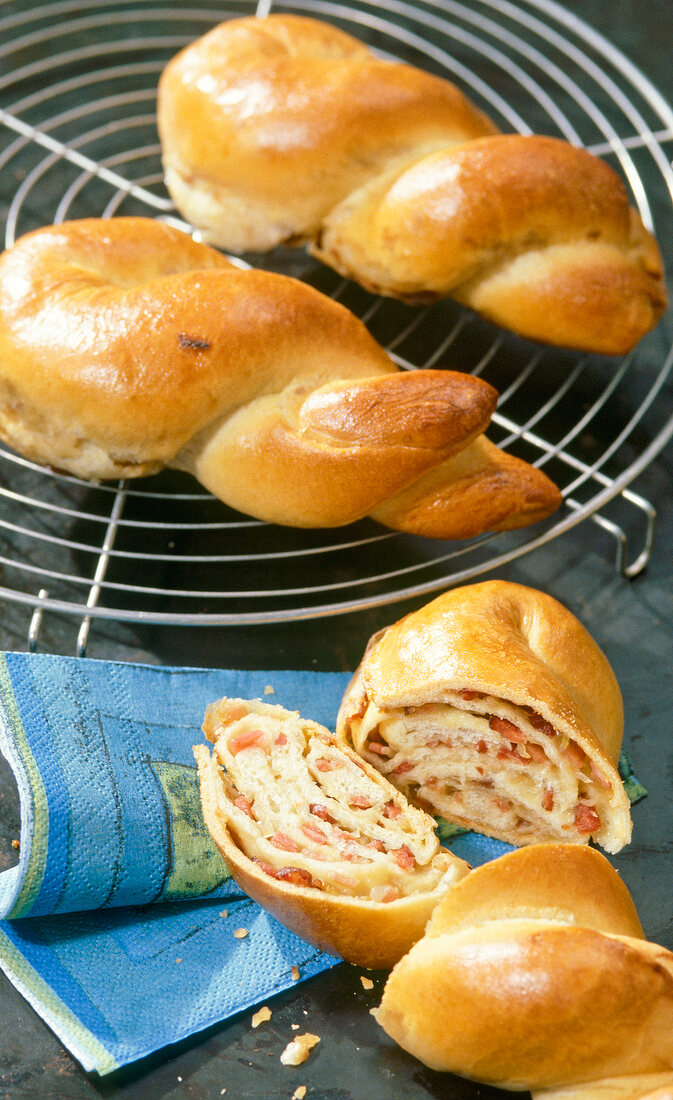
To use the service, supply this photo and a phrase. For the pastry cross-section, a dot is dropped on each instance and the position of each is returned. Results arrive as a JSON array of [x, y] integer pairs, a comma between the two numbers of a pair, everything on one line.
[[317, 835]]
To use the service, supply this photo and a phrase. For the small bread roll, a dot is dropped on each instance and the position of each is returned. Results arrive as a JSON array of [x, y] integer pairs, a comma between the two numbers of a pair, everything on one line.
[[533, 974], [287, 130], [125, 347], [317, 836], [493, 707]]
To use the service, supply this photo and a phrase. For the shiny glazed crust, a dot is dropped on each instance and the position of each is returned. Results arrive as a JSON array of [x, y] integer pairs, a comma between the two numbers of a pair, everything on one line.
[[543, 981], [317, 837], [493, 707], [397, 181], [125, 346], [304, 114]]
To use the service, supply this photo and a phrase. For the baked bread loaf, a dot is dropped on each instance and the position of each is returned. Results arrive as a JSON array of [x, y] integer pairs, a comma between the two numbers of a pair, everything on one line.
[[493, 707], [533, 974], [286, 129], [125, 346], [317, 836]]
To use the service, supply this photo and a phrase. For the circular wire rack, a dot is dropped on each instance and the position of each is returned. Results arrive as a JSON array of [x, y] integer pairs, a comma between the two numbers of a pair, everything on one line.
[[78, 139]]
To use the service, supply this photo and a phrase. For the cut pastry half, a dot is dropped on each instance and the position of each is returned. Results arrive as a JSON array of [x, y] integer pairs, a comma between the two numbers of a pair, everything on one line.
[[317, 836], [493, 708]]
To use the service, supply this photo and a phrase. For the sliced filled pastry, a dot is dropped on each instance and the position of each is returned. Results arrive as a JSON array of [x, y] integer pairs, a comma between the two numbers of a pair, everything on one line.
[[493, 708], [317, 835]]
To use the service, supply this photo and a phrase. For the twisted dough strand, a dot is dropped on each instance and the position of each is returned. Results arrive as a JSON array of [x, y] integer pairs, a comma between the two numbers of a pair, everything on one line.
[[534, 973], [288, 130], [125, 346]]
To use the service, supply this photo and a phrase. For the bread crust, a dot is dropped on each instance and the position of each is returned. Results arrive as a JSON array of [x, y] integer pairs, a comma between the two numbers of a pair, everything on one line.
[[396, 180], [126, 346], [550, 882], [645, 1086], [557, 997], [552, 251], [303, 113], [498, 641], [129, 327], [479, 489]]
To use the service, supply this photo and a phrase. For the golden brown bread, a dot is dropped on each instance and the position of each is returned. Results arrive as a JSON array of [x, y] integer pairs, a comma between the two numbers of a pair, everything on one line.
[[125, 346], [481, 488], [534, 974], [318, 837], [493, 707], [397, 181], [304, 115], [645, 1086]]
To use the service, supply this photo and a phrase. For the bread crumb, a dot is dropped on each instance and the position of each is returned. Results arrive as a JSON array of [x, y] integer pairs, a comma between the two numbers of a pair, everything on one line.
[[223, 913], [268, 690], [178, 960], [16, 844], [261, 1016], [240, 933], [367, 983], [298, 1050], [295, 973], [299, 1093], [295, 1027]]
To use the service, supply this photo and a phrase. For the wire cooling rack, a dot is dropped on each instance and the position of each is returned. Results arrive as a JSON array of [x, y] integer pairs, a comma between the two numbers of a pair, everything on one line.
[[78, 139]]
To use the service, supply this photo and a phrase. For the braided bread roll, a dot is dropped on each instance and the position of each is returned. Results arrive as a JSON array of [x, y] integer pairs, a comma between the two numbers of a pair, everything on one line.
[[316, 835], [534, 974], [125, 346], [285, 129], [494, 708]]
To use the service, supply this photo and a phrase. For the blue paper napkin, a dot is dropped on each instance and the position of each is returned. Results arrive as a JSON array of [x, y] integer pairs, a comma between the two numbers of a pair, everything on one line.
[[131, 934], [110, 822]]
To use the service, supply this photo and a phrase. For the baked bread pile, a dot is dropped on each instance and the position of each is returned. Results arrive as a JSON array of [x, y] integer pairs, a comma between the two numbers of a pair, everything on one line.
[[125, 346], [288, 130], [534, 974], [315, 835], [494, 708], [531, 972]]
